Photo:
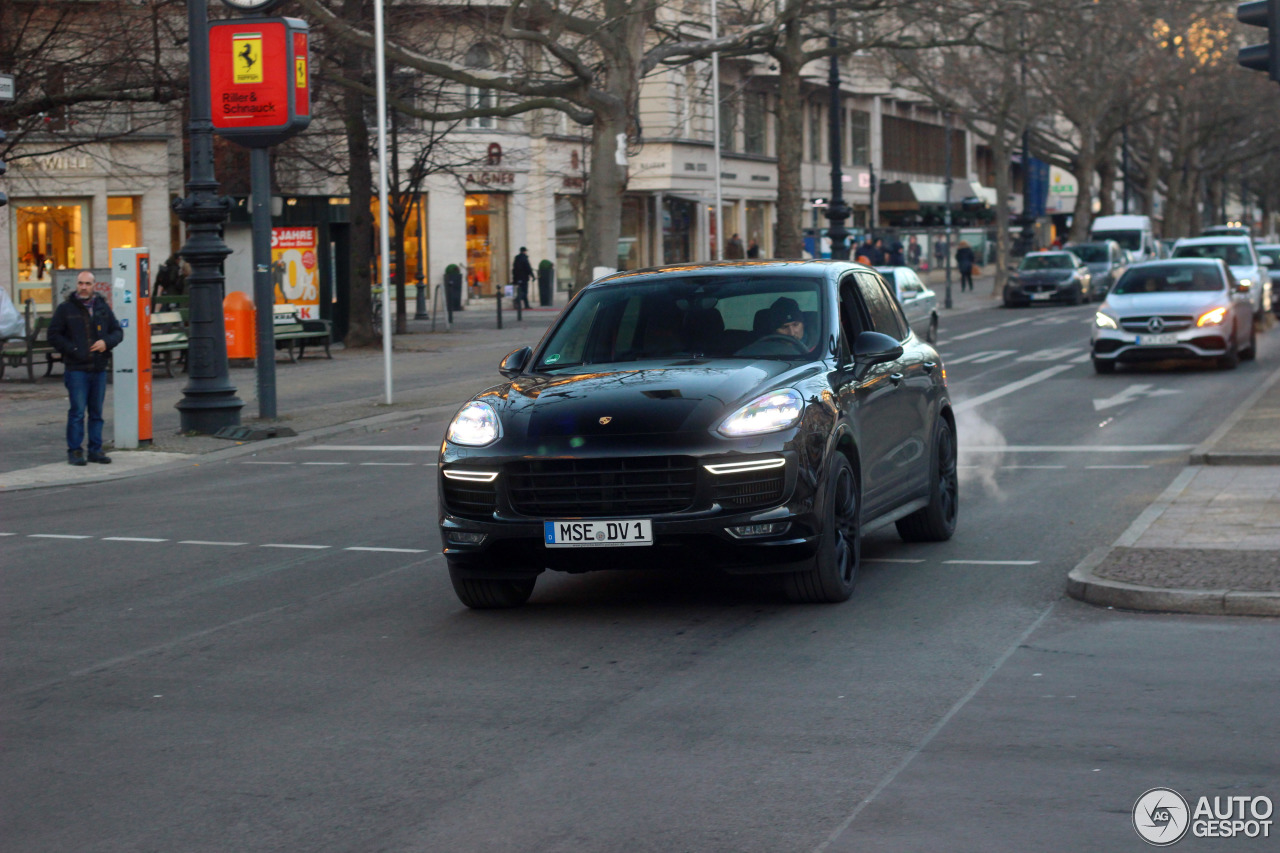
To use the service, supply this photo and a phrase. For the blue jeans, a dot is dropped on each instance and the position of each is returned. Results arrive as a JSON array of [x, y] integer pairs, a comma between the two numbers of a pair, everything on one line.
[[87, 390]]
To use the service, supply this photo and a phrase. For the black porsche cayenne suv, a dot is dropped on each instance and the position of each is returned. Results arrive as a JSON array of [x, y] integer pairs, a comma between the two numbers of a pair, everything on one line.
[[756, 417]]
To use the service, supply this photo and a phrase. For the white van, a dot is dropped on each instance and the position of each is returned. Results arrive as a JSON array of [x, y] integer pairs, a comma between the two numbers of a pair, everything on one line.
[[1133, 233]]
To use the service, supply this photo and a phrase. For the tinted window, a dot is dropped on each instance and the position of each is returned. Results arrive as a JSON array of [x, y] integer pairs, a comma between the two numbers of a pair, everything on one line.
[[1170, 279], [1090, 254], [693, 317], [1047, 262], [882, 308], [1131, 240], [1234, 254], [1274, 255]]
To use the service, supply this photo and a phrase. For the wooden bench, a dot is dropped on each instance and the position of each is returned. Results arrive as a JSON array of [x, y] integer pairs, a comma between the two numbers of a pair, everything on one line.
[[34, 342], [169, 336], [291, 330]]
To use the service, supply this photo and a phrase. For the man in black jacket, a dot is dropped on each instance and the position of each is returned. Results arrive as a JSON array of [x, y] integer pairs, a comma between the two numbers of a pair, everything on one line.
[[85, 330], [521, 272]]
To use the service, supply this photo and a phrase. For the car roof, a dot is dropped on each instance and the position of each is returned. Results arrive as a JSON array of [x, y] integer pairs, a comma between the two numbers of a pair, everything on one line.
[[1047, 253], [1177, 262], [728, 269], [1214, 240]]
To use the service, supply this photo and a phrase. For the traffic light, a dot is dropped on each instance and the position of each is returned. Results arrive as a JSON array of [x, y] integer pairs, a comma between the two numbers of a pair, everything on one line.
[[1262, 57]]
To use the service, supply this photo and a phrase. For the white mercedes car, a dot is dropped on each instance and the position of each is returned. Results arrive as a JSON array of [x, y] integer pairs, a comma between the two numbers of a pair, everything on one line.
[[1175, 309]]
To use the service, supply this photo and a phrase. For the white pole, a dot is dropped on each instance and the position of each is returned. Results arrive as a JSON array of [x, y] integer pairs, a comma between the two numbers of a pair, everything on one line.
[[715, 130], [384, 209]]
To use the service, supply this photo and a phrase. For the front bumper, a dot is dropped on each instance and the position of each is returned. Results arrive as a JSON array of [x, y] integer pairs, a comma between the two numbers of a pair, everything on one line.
[[1033, 293], [1123, 346]]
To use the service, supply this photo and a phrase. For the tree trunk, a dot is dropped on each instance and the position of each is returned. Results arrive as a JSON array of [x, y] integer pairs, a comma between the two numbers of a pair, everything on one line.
[[360, 331], [1086, 165], [1001, 149], [606, 183], [1107, 185], [788, 238]]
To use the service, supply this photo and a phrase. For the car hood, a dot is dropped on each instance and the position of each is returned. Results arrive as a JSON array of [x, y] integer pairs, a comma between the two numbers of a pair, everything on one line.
[[1145, 304], [616, 401], [1044, 275], [1248, 271]]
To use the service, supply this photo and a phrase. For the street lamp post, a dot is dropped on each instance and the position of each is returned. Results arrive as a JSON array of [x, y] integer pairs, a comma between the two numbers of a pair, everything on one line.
[[946, 212], [209, 400], [837, 210]]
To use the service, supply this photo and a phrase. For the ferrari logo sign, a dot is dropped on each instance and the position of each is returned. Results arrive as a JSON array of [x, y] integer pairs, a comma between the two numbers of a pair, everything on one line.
[[300, 72], [246, 57]]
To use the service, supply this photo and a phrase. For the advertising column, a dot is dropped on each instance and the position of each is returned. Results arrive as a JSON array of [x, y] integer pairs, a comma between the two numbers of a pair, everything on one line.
[[131, 361]]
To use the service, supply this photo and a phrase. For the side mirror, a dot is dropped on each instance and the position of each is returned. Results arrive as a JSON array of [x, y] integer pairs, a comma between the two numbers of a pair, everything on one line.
[[873, 348], [514, 363]]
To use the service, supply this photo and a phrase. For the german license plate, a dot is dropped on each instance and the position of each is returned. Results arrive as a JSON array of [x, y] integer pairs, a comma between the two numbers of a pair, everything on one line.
[[1156, 340], [594, 534], [1041, 295]]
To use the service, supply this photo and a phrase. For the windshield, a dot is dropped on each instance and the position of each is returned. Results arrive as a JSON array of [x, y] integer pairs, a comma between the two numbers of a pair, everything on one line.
[[691, 317], [1185, 278], [1273, 254], [1233, 253], [1091, 254], [1131, 240], [1047, 262]]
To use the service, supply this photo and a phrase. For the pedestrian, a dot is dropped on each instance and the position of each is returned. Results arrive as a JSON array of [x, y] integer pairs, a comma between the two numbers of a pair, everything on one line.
[[521, 272], [753, 249], [878, 254], [733, 249], [896, 257], [865, 250], [939, 253], [913, 252], [85, 331], [964, 263]]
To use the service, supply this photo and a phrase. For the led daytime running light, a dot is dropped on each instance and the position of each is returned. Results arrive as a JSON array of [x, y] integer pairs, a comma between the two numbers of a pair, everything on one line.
[[470, 476], [742, 467]]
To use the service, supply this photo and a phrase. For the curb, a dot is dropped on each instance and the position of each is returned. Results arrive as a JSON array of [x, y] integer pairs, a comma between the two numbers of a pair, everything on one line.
[[249, 448], [1084, 585], [1203, 453]]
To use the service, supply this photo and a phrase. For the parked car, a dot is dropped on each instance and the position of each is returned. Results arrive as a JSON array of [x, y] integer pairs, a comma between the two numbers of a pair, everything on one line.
[[1271, 252], [752, 417], [1248, 268], [1177, 308], [1057, 276], [1106, 262], [918, 302]]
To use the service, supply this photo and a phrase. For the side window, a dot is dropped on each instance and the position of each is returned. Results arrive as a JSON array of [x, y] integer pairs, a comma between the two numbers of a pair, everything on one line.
[[852, 319], [909, 285], [882, 308]]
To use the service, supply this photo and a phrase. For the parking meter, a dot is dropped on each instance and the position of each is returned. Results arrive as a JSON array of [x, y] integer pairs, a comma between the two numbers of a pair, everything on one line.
[[131, 360]]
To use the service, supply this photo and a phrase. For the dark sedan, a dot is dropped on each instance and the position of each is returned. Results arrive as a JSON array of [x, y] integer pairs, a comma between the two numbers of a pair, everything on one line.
[[1106, 262], [1048, 277], [753, 417]]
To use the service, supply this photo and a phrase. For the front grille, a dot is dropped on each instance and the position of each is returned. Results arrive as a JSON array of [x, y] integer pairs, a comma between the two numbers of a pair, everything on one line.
[[469, 500], [1040, 288], [1172, 323], [750, 489], [645, 485]]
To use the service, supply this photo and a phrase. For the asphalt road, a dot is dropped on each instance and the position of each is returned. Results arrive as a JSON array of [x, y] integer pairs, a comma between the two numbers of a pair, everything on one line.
[[265, 654]]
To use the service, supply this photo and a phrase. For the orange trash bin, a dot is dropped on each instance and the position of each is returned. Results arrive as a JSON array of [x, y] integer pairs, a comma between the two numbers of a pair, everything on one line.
[[238, 317]]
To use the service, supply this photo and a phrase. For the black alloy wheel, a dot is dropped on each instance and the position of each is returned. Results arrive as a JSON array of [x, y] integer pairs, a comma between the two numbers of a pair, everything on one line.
[[931, 336], [489, 593], [936, 522], [835, 566]]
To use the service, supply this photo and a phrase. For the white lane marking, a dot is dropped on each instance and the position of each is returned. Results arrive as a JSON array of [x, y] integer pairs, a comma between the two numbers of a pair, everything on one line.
[[1037, 467], [1076, 448], [988, 330], [1082, 359], [390, 464], [254, 462], [1130, 394], [974, 402], [326, 463], [131, 539], [1016, 322], [1055, 320], [388, 550], [203, 542], [887, 560], [300, 547], [55, 536], [1113, 467], [1053, 354], [981, 357], [8, 534], [990, 562], [394, 448]]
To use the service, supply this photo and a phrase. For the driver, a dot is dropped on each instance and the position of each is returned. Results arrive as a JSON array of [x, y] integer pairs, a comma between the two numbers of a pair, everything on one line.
[[785, 318]]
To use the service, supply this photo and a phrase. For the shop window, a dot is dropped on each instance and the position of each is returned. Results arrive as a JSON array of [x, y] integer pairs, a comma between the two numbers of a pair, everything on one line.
[[50, 236], [123, 222], [568, 235], [488, 263], [632, 244], [759, 228], [678, 219]]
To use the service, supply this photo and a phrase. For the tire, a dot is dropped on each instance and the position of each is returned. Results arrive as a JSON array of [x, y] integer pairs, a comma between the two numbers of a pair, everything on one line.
[[931, 335], [1104, 367], [936, 522], [489, 593], [1252, 352], [835, 566], [1232, 358]]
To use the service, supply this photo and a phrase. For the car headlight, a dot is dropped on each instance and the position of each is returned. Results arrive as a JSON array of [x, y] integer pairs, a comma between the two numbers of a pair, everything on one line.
[[475, 425], [767, 413], [1212, 318], [1105, 321]]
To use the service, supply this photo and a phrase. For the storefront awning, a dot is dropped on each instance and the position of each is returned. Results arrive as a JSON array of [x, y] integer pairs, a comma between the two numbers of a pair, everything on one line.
[[912, 195]]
